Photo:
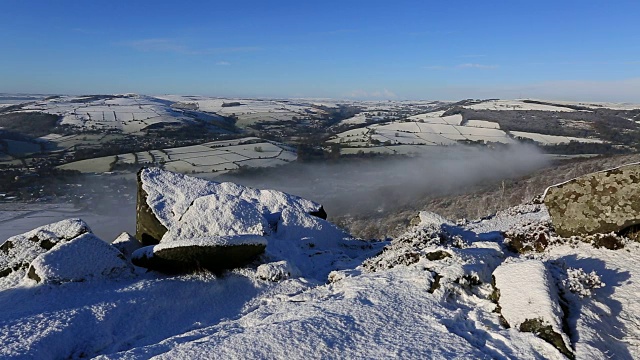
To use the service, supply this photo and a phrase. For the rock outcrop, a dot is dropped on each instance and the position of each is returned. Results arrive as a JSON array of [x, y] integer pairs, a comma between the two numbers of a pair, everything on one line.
[[17, 252], [212, 253], [189, 223], [164, 197], [601, 202], [80, 259], [528, 300]]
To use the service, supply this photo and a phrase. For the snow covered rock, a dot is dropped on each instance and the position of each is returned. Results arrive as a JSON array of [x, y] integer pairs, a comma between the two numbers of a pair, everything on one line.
[[164, 197], [214, 253], [276, 271], [218, 215], [596, 203], [529, 301], [186, 219], [17, 252], [127, 244], [80, 259]]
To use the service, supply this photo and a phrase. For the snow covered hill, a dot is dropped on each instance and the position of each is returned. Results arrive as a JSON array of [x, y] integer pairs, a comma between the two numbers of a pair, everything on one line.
[[441, 290]]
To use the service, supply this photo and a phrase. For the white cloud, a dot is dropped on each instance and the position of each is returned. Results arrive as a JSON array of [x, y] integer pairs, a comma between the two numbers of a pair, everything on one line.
[[223, 63]]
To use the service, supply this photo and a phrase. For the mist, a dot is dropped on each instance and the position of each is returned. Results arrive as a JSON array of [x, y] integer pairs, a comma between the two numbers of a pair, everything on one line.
[[384, 184], [348, 186]]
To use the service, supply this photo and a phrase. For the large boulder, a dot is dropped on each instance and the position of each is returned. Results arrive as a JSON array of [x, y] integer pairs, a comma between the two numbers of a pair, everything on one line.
[[528, 300], [83, 258], [601, 202], [164, 197], [211, 253], [17, 252], [192, 224], [219, 215]]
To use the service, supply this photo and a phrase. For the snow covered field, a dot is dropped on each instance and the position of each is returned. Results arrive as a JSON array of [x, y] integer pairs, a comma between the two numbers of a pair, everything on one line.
[[403, 137], [128, 114], [216, 156], [515, 105]]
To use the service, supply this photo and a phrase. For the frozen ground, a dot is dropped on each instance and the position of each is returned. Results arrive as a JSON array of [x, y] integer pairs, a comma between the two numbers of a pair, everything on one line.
[[428, 295]]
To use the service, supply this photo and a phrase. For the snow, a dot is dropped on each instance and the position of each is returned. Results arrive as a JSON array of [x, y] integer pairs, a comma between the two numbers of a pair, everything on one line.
[[528, 293], [18, 251], [126, 244], [483, 124], [83, 258], [552, 139], [514, 105], [420, 132], [207, 157], [170, 195], [319, 293], [218, 215], [277, 271], [226, 240]]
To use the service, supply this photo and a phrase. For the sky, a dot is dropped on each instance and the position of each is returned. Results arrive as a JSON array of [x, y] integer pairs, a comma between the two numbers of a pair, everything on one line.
[[435, 50]]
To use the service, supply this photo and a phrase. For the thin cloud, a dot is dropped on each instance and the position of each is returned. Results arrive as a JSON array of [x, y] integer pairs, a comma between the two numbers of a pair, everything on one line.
[[461, 66], [223, 63], [174, 46], [476, 66], [156, 45], [472, 56], [435, 67]]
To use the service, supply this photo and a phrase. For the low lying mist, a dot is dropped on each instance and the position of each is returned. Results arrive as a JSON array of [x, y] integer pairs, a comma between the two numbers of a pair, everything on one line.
[[384, 184], [346, 187]]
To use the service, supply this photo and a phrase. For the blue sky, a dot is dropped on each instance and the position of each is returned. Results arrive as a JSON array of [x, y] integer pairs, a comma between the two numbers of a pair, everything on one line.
[[563, 49]]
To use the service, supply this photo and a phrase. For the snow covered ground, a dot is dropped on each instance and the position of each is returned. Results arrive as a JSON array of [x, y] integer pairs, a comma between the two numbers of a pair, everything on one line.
[[129, 114], [433, 129], [515, 105], [427, 295]]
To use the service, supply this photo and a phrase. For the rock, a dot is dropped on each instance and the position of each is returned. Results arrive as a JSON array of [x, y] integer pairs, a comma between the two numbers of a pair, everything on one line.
[[528, 301], [218, 215], [596, 203], [533, 236], [17, 252], [149, 230], [126, 244], [297, 225], [213, 253], [437, 255], [276, 271], [80, 259], [164, 197]]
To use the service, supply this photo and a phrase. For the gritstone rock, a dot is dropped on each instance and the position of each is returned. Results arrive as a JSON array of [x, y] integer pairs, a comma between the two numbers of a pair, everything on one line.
[[127, 244], [17, 252], [213, 253], [80, 259], [601, 202], [528, 301], [164, 197]]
